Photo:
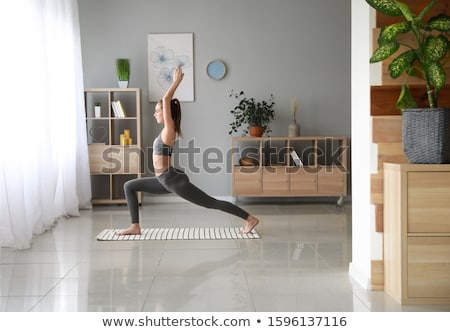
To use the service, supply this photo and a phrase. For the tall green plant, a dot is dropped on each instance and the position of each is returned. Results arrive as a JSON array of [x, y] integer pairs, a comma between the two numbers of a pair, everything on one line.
[[424, 59], [123, 69]]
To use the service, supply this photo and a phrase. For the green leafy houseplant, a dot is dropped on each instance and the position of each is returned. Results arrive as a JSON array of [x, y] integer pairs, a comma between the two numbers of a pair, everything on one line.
[[425, 131], [423, 59], [252, 113], [123, 69]]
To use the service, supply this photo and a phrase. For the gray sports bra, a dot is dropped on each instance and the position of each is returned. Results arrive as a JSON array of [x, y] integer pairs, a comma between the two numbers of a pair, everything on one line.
[[161, 149]]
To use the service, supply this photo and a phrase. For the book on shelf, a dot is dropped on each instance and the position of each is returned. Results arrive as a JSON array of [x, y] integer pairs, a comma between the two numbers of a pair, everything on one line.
[[121, 109], [114, 108], [296, 158], [118, 109]]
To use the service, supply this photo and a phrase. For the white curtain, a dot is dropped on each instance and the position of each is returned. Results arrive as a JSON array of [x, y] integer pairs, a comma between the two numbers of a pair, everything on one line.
[[44, 171]]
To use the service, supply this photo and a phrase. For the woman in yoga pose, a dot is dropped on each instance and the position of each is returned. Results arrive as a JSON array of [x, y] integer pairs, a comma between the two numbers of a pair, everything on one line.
[[169, 179]]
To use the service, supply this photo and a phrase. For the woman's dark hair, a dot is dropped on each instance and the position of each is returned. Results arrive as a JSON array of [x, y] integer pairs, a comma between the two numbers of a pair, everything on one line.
[[175, 109]]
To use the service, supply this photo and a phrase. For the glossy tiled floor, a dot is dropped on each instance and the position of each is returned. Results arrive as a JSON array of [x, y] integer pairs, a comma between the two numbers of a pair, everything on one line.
[[300, 264]]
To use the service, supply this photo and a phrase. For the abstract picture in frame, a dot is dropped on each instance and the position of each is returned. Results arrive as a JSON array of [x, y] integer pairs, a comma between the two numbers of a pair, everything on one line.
[[166, 51]]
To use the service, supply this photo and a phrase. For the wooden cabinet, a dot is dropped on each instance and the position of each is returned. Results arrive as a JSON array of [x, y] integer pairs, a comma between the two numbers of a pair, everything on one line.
[[115, 154], [417, 233], [323, 171]]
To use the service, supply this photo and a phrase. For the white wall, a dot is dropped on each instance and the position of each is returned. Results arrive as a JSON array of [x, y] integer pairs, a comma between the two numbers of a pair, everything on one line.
[[375, 79], [364, 237], [291, 48]]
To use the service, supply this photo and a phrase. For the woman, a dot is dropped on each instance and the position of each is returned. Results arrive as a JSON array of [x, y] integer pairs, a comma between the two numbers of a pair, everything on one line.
[[169, 179]]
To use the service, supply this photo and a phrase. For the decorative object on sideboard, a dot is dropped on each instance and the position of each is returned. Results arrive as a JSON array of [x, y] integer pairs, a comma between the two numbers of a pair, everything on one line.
[[247, 161], [98, 110], [98, 134], [294, 127], [123, 72], [125, 138], [425, 59], [257, 115]]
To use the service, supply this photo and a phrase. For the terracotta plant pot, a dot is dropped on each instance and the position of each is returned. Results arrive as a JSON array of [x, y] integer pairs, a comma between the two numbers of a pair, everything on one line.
[[256, 131]]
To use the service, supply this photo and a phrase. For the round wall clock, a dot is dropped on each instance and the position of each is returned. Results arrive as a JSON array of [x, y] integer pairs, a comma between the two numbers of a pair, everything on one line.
[[216, 69]]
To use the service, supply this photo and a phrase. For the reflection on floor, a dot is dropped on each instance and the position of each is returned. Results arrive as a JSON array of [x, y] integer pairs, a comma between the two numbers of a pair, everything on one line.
[[300, 264]]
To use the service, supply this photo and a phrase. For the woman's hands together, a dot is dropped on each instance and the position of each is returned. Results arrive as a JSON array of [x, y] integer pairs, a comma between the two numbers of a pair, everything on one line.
[[176, 80], [178, 75]]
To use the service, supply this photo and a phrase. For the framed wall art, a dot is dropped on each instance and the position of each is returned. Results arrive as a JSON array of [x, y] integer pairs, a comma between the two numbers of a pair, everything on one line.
[[166, 51]]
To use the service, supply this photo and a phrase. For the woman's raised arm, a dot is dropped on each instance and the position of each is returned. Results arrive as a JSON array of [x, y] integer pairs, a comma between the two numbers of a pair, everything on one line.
[[169, 133]]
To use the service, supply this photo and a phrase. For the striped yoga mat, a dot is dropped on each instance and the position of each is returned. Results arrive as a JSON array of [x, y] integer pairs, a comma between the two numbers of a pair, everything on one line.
[[196, 233]]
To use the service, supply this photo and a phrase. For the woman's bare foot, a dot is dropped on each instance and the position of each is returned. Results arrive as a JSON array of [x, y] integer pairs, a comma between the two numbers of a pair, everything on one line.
[[250, 225], [134, 229]]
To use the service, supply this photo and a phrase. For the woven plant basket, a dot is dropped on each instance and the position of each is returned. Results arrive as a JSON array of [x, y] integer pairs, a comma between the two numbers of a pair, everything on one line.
[[426, 135]]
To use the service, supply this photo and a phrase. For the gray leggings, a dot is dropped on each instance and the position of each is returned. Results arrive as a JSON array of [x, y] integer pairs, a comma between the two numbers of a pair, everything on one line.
[[175, 181]]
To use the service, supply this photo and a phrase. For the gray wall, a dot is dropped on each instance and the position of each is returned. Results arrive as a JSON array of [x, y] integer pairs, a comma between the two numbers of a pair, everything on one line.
[[291, 48]]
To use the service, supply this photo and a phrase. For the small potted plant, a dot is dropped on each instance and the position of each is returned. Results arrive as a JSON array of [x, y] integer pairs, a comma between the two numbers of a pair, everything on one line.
[[424, 59], [257, 115], [123, 72]]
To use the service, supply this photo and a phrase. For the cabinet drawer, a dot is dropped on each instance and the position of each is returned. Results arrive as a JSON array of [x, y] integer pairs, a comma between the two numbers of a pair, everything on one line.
[[98, 158], [331, 180], [106, 159], [275, 180], [429, 267], [247, 180], [428, 202], [303, 180], [125, 159]]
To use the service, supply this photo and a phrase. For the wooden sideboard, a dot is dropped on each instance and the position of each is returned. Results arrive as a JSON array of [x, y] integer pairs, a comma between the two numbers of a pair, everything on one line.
[[322, 171]]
